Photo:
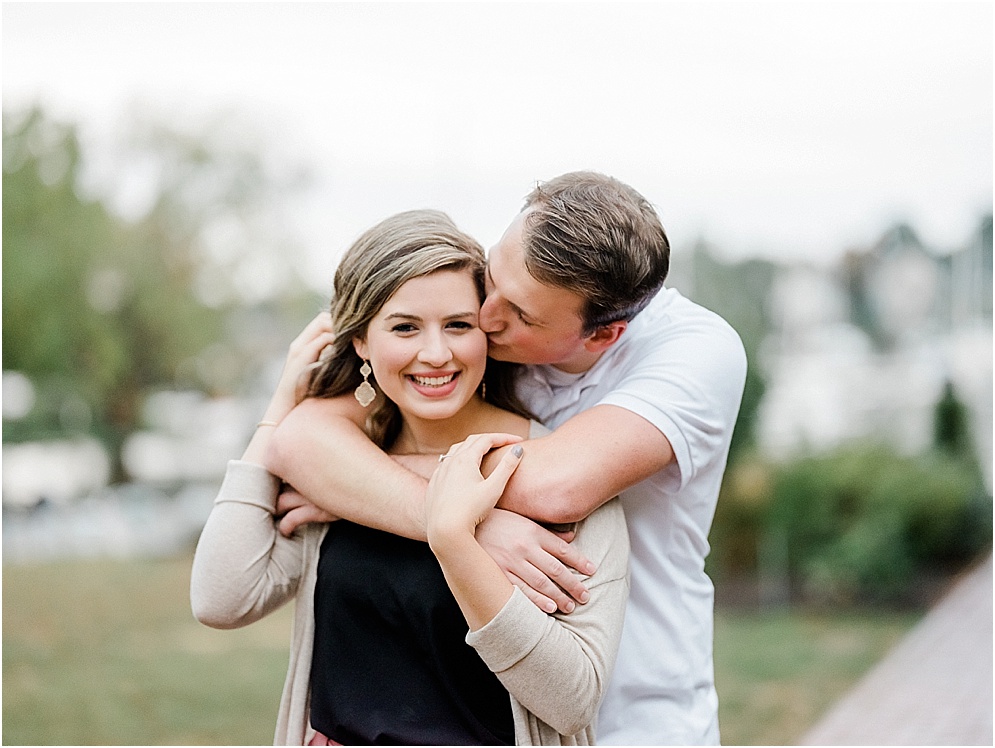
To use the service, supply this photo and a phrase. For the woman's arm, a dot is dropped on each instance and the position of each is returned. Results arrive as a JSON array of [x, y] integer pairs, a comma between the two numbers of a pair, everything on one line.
[[243, 568], [557, 667]]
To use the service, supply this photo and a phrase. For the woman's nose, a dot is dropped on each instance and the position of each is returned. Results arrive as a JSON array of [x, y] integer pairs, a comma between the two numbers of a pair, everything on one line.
[[436, 351]]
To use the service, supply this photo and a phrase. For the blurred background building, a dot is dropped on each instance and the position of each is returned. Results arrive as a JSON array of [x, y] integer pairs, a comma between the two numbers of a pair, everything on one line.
[[868, 349]]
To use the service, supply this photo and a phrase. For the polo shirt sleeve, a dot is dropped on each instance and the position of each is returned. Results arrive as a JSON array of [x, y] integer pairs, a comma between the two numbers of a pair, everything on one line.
[[686, 377]]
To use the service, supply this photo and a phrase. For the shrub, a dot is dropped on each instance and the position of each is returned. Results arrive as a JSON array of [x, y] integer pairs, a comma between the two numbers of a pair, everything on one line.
[[866, 522]]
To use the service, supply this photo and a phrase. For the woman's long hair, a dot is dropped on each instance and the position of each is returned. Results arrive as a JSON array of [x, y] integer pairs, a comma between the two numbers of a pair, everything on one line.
[[405, 246]]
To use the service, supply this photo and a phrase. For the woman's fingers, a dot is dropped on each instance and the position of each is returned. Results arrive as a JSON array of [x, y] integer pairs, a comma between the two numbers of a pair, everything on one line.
[[318, 333], [509, 463], [478, 445], [322, 322], [303, 353], [458, 495]]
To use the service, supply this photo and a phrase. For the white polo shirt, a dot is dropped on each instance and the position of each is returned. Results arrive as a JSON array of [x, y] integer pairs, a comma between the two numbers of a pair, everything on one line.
[[682, 368]]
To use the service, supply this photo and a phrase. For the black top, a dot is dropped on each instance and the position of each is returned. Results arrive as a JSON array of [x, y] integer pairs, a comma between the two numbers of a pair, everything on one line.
[[390, 664]]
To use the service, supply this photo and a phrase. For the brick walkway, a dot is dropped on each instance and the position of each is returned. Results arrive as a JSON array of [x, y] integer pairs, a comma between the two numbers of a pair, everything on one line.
[[934, 687]]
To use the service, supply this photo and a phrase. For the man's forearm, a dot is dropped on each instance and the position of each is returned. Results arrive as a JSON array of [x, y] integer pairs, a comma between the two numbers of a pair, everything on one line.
[[329, 460], [587, 461], [545, 494]]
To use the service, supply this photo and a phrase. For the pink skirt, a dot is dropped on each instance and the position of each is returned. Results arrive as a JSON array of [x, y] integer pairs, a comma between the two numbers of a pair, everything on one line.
[[320, 739]]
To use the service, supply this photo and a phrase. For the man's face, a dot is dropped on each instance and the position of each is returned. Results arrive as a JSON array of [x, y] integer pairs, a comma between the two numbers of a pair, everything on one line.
[[526, 321]]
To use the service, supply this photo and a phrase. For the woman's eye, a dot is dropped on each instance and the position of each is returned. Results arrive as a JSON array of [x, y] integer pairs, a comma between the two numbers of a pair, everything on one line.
[[459, 326], [403, 327]]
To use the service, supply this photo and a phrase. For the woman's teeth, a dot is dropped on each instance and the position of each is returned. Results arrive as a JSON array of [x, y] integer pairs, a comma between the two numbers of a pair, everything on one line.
[[433, 381]]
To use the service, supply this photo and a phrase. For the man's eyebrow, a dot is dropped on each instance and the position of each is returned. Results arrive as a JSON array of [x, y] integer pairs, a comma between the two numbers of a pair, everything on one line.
[[514, 307]]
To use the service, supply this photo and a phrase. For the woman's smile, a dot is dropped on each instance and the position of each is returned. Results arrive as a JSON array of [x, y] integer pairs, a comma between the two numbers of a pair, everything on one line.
[[434, 385]]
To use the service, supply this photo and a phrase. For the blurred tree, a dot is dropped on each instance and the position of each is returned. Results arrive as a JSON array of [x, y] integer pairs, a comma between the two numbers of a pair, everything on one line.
[[53, 241], [99, 310], [951, 427]]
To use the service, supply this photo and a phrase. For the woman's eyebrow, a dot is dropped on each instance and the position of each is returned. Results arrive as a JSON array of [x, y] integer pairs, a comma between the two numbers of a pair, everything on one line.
[[402, 315], [416, 318]]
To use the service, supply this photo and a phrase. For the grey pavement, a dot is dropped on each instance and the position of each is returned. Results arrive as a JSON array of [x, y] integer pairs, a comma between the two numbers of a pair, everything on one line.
[[934, 687]]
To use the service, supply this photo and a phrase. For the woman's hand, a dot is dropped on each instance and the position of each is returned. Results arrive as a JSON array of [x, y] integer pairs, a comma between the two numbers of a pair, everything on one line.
[[304, 352], [457, 499], [458, 496]]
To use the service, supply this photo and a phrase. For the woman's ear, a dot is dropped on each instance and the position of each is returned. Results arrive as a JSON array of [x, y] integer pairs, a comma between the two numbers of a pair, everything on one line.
[[359, 345]]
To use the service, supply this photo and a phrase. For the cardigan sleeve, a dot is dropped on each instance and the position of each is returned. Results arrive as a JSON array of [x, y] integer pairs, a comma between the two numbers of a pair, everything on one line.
[[558, 666], [243, 567]]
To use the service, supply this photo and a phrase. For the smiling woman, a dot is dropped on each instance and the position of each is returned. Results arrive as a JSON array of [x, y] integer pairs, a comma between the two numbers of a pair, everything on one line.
[[427, 351], [397, 641]]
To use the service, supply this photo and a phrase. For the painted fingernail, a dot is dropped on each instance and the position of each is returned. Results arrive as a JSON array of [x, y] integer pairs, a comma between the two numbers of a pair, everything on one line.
[[517, 450]]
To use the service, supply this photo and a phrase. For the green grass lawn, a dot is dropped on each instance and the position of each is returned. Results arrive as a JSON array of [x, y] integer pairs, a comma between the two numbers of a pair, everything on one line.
[[107, 652], [777, 673]]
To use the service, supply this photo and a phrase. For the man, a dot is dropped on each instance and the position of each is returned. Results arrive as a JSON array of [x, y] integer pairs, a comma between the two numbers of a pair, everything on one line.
[[642, 388]]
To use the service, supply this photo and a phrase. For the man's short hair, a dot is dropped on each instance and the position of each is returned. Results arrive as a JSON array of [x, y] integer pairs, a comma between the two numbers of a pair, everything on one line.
[[598, 237]]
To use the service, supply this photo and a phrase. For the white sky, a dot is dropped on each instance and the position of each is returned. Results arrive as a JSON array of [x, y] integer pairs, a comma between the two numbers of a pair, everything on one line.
[[791, 130]]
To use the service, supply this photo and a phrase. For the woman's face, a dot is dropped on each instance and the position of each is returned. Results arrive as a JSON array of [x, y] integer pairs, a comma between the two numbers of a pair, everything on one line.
[[425, 345]]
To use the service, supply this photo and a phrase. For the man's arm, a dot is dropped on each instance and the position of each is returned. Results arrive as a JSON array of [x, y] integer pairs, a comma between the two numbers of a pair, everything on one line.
[[582, 464], [321, 450]]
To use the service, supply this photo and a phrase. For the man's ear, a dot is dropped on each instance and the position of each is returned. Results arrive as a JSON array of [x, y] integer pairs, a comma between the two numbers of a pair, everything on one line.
[[605, 336], [359, 345]]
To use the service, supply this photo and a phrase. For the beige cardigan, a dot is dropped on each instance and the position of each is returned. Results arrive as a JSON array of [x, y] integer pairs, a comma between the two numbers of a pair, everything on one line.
[[556, 668]]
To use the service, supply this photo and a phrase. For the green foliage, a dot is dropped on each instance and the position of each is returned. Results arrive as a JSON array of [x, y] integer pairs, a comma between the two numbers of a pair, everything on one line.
[[859, 523], [51, 237], [951, 429], [95, 310], [744, 501], [99, 310], [864, 521]]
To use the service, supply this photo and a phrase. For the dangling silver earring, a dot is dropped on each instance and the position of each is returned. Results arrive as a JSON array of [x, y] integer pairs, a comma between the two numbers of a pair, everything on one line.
[[483, 390], [365, 392]]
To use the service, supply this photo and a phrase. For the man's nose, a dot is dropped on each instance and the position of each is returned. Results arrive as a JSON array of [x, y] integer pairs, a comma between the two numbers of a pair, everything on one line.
[[490, 317]]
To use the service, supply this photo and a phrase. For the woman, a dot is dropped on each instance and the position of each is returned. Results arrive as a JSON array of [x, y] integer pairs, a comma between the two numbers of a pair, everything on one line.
[[382, 626]]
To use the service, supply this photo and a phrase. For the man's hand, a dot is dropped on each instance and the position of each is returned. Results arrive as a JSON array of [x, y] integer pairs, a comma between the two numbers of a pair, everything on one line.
[[294, 510], [535, 560]]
